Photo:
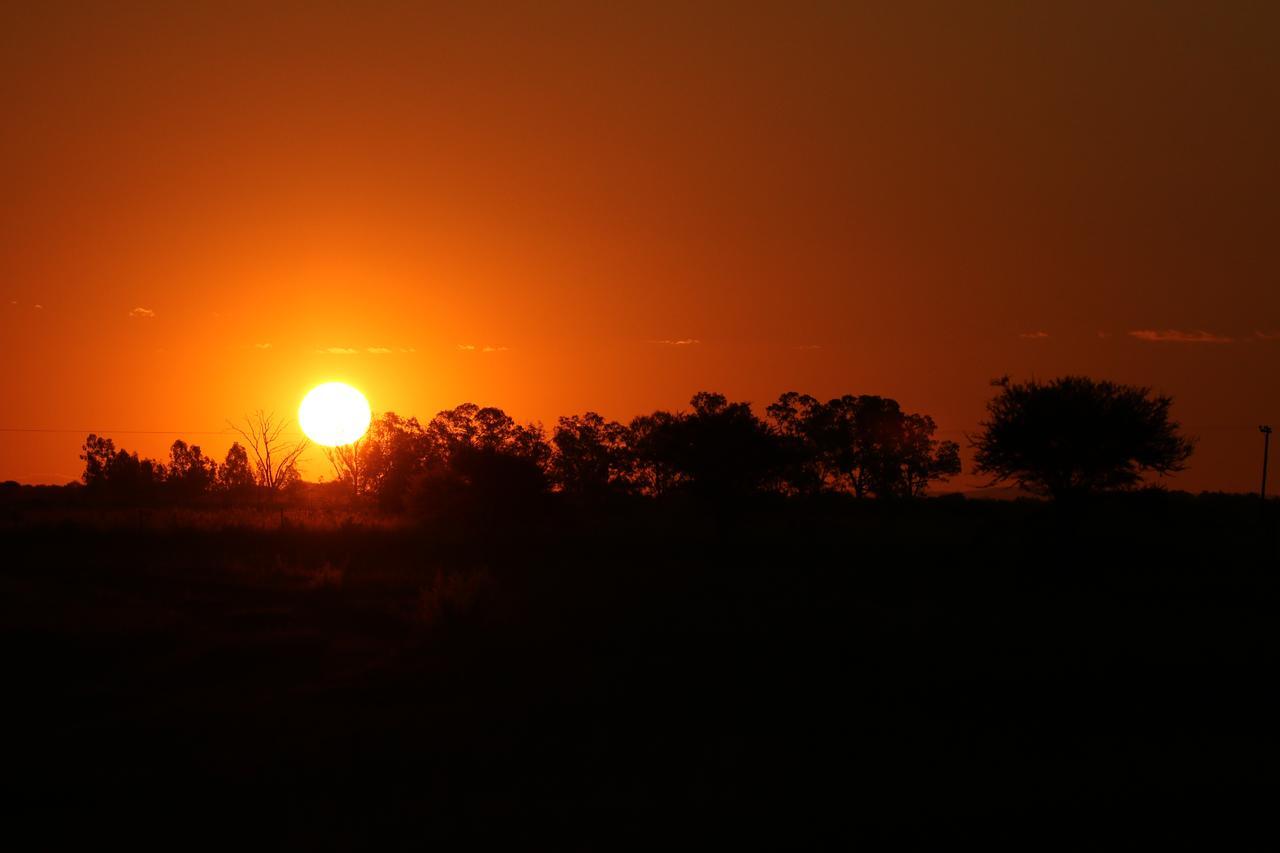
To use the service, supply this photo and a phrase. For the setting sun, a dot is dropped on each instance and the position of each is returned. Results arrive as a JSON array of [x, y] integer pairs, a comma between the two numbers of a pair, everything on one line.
[[334, 414]]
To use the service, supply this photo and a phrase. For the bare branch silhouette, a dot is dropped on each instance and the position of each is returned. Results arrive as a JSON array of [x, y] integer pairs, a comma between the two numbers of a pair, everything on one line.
[[349, 464], [275, 460]]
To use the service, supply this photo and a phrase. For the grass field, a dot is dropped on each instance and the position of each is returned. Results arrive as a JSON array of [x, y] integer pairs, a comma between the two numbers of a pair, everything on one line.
[[644, 675]]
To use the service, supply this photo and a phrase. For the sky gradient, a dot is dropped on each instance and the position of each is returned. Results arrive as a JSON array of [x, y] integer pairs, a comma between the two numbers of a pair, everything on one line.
[[211, 208]]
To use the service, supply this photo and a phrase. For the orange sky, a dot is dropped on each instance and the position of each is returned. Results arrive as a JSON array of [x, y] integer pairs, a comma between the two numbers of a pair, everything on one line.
[[903, 198]]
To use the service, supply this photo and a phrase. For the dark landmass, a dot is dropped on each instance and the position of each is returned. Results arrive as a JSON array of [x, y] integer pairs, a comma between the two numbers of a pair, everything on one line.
[[634, 673]]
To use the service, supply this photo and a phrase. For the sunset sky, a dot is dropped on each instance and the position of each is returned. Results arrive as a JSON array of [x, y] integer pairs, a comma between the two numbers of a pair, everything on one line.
[[210, 208]]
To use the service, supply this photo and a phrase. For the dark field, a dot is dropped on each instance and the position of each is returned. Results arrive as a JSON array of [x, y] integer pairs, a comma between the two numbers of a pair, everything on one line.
[[645, 675]]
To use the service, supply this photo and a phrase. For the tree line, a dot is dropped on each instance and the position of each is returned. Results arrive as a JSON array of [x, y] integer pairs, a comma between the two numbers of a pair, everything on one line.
[[1062, 438], [864, 445]]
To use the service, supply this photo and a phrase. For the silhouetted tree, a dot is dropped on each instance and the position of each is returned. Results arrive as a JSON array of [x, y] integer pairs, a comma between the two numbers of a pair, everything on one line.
[[1074, 436], [275, 460], [348, 462], [816, 439], [190, 473], [480, 458], [719, 448], [394, 452], [591, 455], [235, 476], [863, 444], [97, 453], [488, 429], [119, 475], [653, 444], [134, 479], [924, 460]]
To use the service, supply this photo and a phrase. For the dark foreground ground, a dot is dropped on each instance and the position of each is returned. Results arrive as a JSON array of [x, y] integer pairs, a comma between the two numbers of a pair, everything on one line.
[[650, 676]]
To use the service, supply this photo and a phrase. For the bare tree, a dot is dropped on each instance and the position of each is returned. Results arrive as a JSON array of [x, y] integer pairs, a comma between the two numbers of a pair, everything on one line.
[[349, 463], [275, 459]]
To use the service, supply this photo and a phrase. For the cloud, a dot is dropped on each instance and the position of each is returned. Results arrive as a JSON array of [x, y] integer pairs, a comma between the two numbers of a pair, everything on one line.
[[1178, 336], [262, 346], [38, 305], [1033, 336], [1267, 336], [494, 349], [467, 347], [141, 313], [339, 351], [485, 348], [407, 349], [1103, 334], [378, 350], [683, 342]]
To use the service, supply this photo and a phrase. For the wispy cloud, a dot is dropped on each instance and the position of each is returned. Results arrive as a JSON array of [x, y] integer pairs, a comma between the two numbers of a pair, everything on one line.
[[485, 348], [1267, 336], [407, 349], [1033, 336], [1178, 336], [338, 351], [262, 346], [41, 307], [466, 347], [378, 350], [495, 349], [141, 313], [683, 342]]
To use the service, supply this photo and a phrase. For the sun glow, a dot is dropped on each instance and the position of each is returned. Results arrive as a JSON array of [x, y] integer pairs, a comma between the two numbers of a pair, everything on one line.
[[334, 414]]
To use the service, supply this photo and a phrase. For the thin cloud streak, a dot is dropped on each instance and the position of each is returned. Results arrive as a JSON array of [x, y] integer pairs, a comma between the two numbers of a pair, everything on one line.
[[1178, 336], [1033, 336], [140, 312], [683, 342]]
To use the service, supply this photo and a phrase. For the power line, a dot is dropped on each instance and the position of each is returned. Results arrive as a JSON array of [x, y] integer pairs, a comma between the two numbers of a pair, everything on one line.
[[126, 431], [119, 431]]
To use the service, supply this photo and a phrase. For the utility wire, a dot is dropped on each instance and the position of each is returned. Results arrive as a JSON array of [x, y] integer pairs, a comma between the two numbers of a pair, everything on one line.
[[127, 431]]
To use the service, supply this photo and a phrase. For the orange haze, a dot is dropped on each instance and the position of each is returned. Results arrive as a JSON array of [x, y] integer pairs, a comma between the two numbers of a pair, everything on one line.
[[907, 199]]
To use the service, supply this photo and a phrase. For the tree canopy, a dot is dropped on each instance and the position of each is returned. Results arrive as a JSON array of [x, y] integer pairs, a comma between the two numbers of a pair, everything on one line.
[[1075, 436]]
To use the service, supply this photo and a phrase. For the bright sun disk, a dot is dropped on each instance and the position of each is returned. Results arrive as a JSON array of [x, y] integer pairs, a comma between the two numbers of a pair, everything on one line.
[[334, 414]]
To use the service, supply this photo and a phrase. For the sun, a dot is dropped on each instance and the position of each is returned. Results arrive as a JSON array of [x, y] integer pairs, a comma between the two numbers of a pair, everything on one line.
[[334, 414]]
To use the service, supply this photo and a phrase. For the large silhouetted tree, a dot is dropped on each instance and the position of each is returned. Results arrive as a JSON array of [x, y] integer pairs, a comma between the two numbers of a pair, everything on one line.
[[480, 458], [394, 452], [1074, 436]]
